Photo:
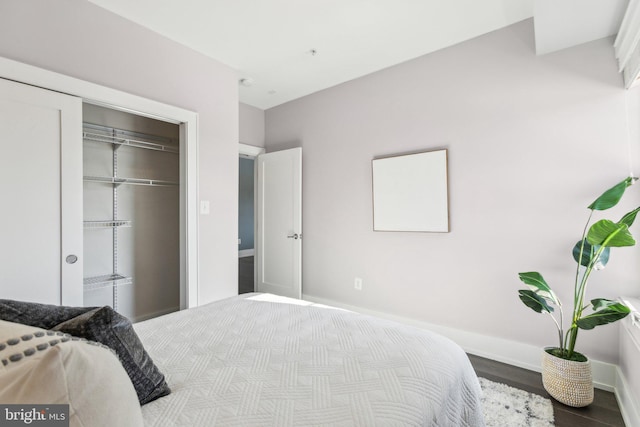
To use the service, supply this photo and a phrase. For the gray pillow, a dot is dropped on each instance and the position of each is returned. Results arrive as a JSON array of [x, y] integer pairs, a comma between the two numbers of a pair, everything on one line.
[[99, 324]]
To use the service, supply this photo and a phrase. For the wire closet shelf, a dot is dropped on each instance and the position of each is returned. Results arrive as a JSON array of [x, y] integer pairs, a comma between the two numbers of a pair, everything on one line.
[[121, 138], [106, 281]]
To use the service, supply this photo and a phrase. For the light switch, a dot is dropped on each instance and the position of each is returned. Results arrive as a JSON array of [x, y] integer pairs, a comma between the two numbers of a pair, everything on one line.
[[204, 207]]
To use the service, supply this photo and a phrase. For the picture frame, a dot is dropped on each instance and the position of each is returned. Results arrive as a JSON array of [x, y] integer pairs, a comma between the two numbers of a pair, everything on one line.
[[410, 192]]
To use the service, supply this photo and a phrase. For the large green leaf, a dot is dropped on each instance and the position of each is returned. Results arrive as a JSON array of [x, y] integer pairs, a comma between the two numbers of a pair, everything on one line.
[[599, 303], [588, 252], [608, 233], [534, 301], [629, 217], [611, 197], [536, 281], [612, 312]]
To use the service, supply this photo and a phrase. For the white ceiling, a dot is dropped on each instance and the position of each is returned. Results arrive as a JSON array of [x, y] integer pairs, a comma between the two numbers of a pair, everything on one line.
[[270, 41], [561, 24]]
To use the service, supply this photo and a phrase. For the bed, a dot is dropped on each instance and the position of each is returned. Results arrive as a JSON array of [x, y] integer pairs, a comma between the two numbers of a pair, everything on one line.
[[252, 361]]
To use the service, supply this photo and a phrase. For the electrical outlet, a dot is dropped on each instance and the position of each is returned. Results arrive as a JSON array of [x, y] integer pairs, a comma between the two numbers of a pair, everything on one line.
[[357, 284]]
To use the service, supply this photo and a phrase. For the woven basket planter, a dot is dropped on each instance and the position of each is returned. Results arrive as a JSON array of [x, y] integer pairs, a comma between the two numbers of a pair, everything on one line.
[[567, 381]]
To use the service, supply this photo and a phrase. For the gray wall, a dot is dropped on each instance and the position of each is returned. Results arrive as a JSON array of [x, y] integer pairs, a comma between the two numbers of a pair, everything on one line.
[[251, 125], [532, 141], [82, 40], [246, 204]]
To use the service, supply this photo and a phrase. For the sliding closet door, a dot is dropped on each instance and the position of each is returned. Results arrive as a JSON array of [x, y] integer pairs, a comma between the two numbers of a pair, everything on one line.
[[41, 188]]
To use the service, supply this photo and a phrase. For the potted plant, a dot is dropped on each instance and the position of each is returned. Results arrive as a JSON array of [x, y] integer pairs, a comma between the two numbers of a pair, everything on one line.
[[566, 373]]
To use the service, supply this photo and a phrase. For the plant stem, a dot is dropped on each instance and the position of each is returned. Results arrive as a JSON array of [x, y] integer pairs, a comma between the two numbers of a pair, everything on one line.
[[582, 289], [584, 234], [559, 328], [576, 290], [572, 341], [579, 304], [560, 339], [566, 339]]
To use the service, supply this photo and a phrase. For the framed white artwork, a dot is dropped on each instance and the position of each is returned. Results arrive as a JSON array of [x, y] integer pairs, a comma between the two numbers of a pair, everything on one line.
[[410, 192]]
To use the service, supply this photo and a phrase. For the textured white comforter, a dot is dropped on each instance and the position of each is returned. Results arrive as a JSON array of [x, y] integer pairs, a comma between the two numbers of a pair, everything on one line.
[[241, 362]]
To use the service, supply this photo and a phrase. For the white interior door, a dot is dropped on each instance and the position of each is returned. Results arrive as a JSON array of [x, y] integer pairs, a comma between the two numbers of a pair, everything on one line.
[[279, 234], [41, 188]]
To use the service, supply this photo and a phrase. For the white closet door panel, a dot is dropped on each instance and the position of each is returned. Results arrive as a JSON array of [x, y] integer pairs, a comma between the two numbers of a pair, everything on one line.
[[41, 187]]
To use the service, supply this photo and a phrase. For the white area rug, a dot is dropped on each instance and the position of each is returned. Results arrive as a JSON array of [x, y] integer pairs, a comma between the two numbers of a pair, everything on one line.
[[508, 406]]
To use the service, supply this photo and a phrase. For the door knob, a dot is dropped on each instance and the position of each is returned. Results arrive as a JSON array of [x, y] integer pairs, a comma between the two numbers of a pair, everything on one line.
[[71, 259], [293, 236]]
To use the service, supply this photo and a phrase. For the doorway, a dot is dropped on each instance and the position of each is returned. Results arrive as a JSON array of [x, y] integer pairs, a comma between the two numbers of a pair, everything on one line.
[[246, 217], [246, 229], [277, 180]]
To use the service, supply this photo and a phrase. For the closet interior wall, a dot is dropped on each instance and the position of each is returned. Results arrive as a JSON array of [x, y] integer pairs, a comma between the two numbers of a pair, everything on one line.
[[148, 248]]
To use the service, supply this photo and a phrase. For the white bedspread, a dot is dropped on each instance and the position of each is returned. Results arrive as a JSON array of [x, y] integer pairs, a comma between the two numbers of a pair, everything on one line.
[[241, 362]]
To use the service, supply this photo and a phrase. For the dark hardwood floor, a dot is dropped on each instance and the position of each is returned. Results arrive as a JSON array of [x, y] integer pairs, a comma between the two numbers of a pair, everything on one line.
[[604, 410], [245, 275]]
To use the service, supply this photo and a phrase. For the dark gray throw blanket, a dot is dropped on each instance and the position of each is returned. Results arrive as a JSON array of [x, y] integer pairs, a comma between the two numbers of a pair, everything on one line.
[[99, 324]]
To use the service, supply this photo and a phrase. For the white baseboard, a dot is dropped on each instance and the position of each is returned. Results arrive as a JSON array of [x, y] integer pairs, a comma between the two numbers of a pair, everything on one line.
[[512, 352], [155, 314], [627, 384], [628, 405], [246, 252]]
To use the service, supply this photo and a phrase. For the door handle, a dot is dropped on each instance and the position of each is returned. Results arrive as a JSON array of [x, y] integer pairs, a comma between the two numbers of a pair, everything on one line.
[[71, 259], [294, 236]]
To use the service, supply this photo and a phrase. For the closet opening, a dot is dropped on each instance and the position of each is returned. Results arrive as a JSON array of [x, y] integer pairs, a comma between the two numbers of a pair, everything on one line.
[[132, 213]]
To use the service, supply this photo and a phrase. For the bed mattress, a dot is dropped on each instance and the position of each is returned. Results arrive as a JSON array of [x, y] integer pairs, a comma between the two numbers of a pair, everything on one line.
[[247, 362]]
